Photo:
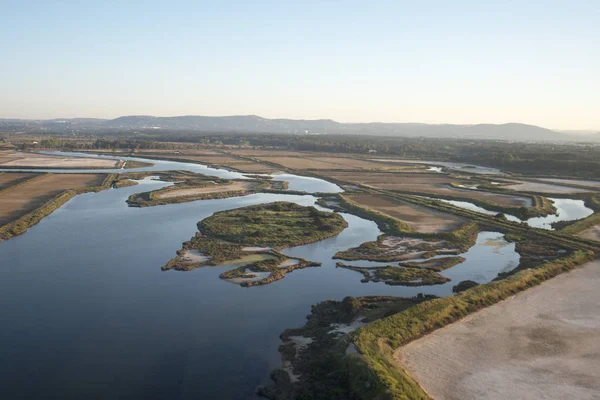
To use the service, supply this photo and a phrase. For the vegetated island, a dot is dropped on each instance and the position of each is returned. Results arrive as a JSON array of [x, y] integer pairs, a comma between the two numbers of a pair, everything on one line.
[[190, 186], [250, 238], [408, 274], [398, 276]]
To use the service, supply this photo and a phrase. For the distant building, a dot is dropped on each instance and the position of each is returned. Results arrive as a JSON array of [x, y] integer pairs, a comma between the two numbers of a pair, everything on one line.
[[371, 151]]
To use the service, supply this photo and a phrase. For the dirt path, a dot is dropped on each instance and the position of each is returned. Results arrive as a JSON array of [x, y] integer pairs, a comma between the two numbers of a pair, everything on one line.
[[540, 344], [207, 189], [592, 233]]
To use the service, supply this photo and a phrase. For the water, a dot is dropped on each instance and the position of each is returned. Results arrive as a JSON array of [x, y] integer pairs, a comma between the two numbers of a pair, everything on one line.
[[296, 182], [567, 210], [87, 312]]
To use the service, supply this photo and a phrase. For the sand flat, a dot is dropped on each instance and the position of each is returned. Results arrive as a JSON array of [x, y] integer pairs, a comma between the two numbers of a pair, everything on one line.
[[207, 189], [420, 219], [543, 343]]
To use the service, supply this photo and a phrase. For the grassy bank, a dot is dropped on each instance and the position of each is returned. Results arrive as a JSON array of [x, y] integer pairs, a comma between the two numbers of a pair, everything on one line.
[[398, 276], [26, 221], [377, 341], [276, 225]]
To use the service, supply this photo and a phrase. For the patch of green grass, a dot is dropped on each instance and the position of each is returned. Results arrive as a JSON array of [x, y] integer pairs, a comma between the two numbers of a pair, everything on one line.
[[277, 225]]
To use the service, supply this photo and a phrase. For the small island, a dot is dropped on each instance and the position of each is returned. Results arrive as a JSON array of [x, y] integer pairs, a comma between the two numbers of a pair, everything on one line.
[[249, 239]]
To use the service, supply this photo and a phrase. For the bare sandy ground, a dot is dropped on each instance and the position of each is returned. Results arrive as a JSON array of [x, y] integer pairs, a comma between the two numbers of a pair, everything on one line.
[[20, 200], [32, 160], [544, 188], [540, 344], [420, 219], [592, 233], [8, 179], [207, 189]]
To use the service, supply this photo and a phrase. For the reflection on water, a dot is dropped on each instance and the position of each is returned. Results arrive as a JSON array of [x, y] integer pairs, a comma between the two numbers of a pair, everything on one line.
[[567, 210]]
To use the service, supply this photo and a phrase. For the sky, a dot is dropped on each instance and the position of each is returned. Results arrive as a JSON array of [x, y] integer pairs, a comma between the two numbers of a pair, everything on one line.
[[464, 62]]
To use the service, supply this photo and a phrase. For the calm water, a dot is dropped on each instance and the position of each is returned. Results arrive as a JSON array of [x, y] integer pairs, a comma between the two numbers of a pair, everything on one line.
[[87, 312], [567, 210]]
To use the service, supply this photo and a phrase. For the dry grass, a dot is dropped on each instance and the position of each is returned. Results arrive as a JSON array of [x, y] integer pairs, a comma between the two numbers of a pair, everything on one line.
[[425, 183], [420, 219], [22, 199], [13, 159]]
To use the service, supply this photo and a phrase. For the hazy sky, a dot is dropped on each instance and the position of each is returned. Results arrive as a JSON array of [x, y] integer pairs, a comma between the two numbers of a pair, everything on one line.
[[456, 61]]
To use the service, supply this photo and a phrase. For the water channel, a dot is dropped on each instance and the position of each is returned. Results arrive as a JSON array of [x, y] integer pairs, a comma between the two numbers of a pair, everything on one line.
[[88, 313]]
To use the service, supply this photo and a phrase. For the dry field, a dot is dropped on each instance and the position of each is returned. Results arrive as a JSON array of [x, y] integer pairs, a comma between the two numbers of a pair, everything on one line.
[[14, 159], [426, 183], [271, 153], [592, 233], [235, 186], [543, 343], [420, 219], [308, 161], [8, 179], [544, 188], [25, 198]]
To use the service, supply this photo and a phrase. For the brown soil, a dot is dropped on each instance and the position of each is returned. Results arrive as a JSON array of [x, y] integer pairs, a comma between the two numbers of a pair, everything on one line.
[[420, 219], [430, 184], [236, 186], [33, 160], [540, 344], [18, 201], [306, 161], [12, 178], [592, 233]]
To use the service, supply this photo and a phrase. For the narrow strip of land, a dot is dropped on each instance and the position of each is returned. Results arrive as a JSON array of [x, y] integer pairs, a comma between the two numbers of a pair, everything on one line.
[[540, 344], [15, 159]]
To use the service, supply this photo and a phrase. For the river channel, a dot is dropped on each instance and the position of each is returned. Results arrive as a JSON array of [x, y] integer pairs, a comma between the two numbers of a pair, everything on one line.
[[88, 313]]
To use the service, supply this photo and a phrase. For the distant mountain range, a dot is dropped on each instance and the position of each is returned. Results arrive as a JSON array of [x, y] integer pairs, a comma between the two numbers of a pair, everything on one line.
[[256, 124]]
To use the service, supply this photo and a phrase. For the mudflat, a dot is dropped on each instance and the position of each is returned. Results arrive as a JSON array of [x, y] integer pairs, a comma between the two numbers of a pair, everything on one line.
[[27, 197], [543, 343], [420, 219]]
